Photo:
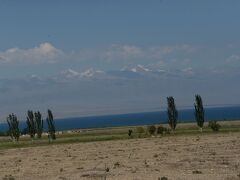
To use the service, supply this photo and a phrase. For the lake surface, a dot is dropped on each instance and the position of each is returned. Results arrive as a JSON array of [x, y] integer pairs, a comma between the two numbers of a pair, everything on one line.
[[146, 118]]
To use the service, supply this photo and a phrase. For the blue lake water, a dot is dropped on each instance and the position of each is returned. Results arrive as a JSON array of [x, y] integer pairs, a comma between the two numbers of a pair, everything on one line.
[[146, 118]]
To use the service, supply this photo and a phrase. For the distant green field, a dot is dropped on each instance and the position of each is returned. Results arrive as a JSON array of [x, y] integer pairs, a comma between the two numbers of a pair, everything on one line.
[[114, 133]]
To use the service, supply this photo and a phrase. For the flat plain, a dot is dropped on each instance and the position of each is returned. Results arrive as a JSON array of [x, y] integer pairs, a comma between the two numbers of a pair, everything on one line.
[[184, 156]]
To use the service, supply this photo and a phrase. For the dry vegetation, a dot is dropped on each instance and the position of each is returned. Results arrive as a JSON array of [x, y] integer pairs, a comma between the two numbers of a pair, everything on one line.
[[190, 156]]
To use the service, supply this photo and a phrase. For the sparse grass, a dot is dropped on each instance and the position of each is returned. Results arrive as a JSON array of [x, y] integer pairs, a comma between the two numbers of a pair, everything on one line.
[[118, 133], [197, 172]]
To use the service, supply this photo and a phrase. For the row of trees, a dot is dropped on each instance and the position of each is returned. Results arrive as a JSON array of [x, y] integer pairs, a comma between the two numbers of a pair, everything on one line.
[[35, 122], [173, 113], [34, 125]]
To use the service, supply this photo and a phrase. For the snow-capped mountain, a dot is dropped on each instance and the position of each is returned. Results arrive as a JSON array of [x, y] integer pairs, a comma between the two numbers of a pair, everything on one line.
[[145, 71], [151, 71], [91, 73], [134, 72], [86, 74], [136, 69], [140, 69], [70, 73], [34, 77]]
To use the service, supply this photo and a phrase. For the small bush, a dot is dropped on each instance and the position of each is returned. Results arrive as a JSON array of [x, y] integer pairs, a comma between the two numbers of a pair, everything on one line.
[[116, 164], [140, 130], [151, 129], [107, 169], [130, 132], [8, 177], [163, 178], [161, 130], [214, 125], [197, 172]]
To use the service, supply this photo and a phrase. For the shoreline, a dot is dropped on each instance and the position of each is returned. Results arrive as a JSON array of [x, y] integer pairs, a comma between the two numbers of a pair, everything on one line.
[[114, 133], [136, 118]]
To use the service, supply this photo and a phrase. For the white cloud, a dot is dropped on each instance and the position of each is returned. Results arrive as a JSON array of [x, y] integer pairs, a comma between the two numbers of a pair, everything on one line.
[[159, 52], [130, 53], [122, 52], [155, 52], [44, 53], [118, 54], [233, 58]]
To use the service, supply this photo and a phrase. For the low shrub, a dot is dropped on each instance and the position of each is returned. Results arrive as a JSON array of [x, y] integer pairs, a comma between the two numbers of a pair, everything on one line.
[[151, 129], [163, 178], [162, 130], [140, 130], [130, 131], [214, 125]]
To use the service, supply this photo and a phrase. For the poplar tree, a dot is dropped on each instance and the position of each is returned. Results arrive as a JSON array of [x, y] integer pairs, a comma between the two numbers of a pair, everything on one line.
[[38, 123], [31, 124], [51, 126], [13, 125], [172, 113], [199, 111]]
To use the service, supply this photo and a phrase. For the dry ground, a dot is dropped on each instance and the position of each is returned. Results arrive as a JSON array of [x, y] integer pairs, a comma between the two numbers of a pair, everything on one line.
[[209, 156]]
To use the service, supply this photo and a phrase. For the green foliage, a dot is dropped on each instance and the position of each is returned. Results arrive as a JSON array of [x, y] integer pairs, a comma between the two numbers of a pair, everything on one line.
[[130, 131], [172, 113], [162, 130], [13, 124], [199, 111], [151, 129], [51, 126], [140, 130], [214, 125], [39, 124], [31, 124]]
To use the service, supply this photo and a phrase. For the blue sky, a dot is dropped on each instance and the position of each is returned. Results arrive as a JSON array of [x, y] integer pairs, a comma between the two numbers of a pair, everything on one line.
[[47, 45], [80, 24]]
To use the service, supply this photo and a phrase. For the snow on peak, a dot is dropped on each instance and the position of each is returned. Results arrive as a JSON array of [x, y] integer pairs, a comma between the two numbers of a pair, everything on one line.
[[88, 73], [134, 70], [35, 77], [70, 73], [140, 68]]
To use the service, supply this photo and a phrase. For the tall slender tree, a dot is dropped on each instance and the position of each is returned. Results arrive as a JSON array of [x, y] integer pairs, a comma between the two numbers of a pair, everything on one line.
[[51, 126], [199, 111], [38, 123], [172, 113], [13, 125], [31, 124]]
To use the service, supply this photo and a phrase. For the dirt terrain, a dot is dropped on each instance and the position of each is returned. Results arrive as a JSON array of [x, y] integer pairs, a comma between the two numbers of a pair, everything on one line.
[[208, 156]]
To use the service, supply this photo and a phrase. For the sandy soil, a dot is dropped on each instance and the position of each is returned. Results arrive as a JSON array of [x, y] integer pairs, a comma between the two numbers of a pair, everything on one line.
[[215, 156]]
